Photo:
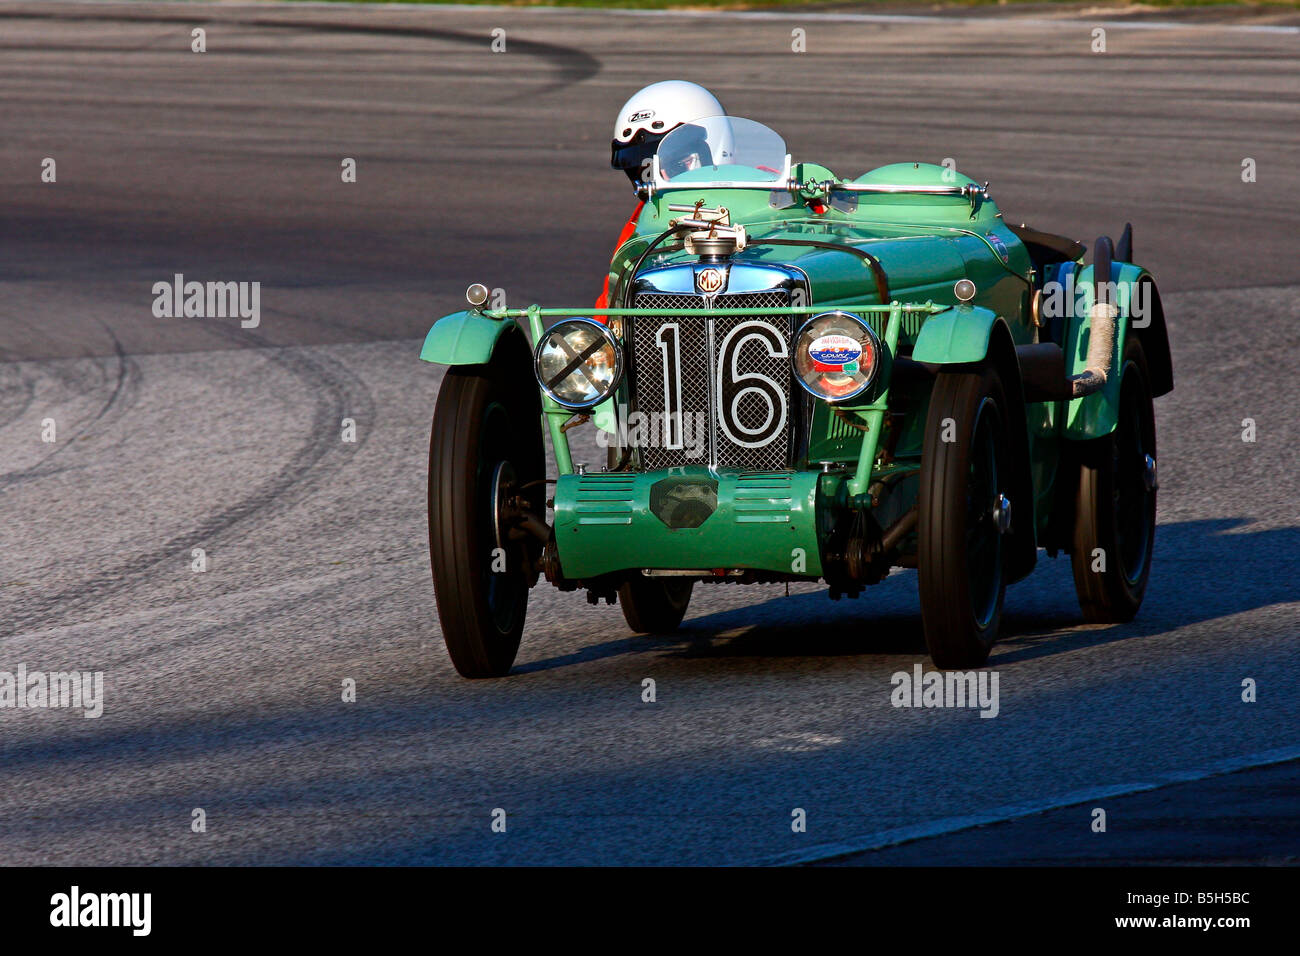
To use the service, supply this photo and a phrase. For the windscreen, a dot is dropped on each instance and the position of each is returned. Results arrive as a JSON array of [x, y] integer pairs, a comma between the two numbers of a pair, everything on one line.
[[721, 149]]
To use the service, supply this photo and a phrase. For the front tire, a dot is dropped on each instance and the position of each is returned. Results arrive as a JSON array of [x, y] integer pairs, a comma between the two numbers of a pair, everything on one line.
[[962, 517], [1115, 508], [484, 417]]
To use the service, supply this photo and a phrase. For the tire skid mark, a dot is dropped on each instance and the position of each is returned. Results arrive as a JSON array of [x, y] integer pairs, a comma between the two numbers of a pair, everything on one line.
[[344, 395], [289, 595], [245, 624], [126, 389], [573, 65], [19, 387]]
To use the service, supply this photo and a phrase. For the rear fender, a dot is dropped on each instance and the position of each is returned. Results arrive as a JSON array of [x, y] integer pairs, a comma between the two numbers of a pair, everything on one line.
[[1154, 336], [1140, 314]]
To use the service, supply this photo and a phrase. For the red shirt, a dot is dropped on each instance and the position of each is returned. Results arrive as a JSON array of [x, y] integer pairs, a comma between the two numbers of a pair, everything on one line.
[[629, 230]]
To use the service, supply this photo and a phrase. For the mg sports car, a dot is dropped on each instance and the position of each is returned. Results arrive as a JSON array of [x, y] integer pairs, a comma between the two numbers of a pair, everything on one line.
[[802, 377]]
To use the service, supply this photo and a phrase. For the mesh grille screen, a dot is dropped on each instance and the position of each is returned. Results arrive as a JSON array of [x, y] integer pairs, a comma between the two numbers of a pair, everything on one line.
[[776, 298], [735, 389], [655, 338]]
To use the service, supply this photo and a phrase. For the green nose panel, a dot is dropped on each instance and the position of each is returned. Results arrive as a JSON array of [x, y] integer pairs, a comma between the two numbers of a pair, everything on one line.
[[687, 518]]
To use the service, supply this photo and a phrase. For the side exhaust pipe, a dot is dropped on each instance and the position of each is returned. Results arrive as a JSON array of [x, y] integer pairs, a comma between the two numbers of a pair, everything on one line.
[[1103, 318]]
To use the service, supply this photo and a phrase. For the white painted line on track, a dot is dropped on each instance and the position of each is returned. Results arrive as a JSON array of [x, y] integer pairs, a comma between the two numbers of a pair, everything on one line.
[[948, 825], [811, 16]]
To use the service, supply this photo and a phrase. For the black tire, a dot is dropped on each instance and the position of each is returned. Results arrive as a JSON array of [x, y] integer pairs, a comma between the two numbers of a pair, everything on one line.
[[654, 605], [1115, 508], [961, 554], [484, 416]]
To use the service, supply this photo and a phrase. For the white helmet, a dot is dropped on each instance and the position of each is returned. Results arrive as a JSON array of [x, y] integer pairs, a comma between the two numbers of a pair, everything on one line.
[[652, 113]]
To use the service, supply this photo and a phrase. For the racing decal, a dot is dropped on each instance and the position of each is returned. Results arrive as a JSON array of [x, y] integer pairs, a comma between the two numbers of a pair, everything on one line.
[[709, 281], [999, 247], [835, 353]]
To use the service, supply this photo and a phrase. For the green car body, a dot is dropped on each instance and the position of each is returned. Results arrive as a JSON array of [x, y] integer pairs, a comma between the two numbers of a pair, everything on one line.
[[894, 258]]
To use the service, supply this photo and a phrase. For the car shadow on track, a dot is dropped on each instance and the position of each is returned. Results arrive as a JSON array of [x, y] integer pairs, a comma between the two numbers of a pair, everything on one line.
[[632, 644], [869, 634], [734, 634], [1203, 570]]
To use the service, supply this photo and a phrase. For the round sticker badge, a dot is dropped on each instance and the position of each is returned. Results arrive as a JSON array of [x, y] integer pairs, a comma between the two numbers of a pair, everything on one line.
[[835, 353]]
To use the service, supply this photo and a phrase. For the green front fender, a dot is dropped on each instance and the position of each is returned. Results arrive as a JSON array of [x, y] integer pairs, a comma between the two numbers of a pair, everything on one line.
[[464, 338], [955, 336], [469, 338]]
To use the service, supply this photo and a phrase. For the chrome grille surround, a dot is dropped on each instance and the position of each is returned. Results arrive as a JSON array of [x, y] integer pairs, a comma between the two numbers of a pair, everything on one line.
[[752, 412]]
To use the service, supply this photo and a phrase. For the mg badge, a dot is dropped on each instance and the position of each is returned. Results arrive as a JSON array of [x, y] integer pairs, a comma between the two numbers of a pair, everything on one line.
[[709, 281]]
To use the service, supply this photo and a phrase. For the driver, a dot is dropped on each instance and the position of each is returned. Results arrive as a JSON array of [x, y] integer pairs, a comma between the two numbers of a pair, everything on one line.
[[651, 114], [688, 150]]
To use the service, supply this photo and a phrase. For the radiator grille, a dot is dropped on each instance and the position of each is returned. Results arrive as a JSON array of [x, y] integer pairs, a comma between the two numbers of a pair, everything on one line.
[[776, 298], [734, 378]]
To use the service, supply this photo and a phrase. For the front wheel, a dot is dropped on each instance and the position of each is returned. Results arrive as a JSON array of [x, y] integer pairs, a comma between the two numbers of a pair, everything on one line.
[[486, 461], [963, 517], [1115, 511]]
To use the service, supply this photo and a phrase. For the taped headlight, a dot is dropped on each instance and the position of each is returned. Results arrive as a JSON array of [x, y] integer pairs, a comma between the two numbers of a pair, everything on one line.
[[578, 363], [836, 356]]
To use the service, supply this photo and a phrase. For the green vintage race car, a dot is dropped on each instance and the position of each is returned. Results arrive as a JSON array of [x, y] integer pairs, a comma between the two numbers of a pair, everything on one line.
[[803, 378]]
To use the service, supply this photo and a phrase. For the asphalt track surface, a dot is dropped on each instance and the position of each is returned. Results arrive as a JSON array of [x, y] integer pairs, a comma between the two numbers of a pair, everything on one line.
[[223, 688]]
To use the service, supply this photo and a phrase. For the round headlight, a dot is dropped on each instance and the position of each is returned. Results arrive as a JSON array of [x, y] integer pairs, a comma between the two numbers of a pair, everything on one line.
[[836, 356], [578, 363]]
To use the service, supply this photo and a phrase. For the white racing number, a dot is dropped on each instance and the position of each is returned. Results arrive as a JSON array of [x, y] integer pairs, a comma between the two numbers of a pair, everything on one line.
[[750, 387], [669, 342]]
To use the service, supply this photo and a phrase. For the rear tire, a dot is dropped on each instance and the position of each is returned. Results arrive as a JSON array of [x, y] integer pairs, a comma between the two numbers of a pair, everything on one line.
[[961, 554], [1115, 507], [484, 417], [654, 605]]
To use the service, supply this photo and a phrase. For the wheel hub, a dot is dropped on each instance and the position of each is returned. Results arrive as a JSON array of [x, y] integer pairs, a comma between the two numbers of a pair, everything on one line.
[[1149, 473], [503, 485], [1002, 514]]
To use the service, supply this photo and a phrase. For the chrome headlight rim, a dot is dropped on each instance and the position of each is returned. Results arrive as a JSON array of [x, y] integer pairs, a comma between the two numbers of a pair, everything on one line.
[[877, 347], [607, 337]]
